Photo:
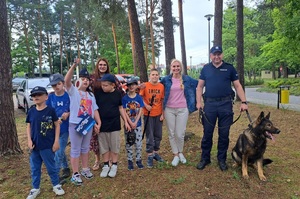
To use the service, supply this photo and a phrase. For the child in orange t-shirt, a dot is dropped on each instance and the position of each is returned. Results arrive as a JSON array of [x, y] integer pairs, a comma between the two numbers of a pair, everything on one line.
[[153, 95]]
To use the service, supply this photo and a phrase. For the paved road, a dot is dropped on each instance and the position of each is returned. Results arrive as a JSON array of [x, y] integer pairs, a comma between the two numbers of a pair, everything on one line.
[[270, 99]]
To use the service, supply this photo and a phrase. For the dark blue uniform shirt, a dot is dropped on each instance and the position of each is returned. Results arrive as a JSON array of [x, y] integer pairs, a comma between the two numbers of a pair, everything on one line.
[[218, 80]]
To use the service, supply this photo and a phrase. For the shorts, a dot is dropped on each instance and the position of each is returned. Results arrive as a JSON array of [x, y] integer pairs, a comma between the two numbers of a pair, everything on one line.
[[109, 141]]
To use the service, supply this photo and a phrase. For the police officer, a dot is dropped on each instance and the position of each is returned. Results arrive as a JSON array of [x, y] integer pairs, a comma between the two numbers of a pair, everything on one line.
[[217, 77]]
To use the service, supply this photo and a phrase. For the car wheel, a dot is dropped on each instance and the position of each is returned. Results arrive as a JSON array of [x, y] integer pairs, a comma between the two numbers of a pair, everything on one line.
[[26, 107]]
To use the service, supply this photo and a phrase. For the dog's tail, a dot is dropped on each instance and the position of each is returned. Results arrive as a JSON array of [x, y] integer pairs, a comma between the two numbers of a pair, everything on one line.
[[267, 161]]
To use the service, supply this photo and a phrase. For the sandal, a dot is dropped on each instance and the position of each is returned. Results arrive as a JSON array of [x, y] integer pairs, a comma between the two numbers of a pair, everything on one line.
[[96, 166]]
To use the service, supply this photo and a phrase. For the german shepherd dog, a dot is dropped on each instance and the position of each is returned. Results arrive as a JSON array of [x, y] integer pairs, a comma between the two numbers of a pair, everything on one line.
[[252, 143]]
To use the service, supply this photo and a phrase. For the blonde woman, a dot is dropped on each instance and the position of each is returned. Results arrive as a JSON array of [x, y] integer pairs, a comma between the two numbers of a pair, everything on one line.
[[179, 101]]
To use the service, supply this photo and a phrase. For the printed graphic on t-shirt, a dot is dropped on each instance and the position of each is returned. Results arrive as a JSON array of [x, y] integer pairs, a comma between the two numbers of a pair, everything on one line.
[[46, 124], [85, 107], [132, 109]]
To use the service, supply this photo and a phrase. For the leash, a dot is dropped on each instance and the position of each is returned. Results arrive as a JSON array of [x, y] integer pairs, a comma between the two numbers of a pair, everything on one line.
[[249, 118], [146, 122], [202, 115]]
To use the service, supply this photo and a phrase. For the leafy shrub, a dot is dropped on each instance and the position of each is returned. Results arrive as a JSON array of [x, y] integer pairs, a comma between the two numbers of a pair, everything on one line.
[[254, 82]]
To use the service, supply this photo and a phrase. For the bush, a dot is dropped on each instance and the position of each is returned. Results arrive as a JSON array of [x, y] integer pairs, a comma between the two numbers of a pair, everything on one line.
[[254, 82], [277, 83]]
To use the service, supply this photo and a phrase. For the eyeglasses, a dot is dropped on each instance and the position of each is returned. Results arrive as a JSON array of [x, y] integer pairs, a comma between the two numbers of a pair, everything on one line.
[[102, 64]]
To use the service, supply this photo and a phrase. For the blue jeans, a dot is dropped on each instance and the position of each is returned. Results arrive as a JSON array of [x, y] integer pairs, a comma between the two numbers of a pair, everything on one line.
[[60, 155], [222, 111], [37, 157]]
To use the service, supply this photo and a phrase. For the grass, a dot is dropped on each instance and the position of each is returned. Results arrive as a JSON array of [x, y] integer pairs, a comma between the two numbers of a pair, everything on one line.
[[183, 181]]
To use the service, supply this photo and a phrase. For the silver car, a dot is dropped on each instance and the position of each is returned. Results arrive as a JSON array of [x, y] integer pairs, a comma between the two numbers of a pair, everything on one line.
[[16, 82], [23, 92]]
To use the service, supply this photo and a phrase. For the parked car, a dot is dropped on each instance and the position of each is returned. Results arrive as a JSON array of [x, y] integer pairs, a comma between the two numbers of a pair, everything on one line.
[[16, 82], [23, 92], [122, 81]]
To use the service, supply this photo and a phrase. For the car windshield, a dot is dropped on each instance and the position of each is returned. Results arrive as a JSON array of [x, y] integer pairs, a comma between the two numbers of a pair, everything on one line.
[[120, 78], [38, 82], [17, 80]]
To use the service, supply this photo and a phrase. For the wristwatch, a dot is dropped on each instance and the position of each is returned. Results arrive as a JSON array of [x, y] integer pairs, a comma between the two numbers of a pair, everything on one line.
[[244, 103]]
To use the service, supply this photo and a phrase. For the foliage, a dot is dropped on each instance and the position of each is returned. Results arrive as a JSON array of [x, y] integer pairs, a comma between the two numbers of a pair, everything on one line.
[[254, 82], [273, 85], [271, 29], [63, 30]]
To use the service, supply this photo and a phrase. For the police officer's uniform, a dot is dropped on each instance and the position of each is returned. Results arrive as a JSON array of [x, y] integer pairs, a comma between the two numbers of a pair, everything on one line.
[[218, 98]]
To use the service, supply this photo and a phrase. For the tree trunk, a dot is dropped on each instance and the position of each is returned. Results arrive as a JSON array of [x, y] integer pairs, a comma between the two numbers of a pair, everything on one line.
[[116, 47], [137, 40], [134, 59], [182, 40], [41, 40], [218, 23], [152, 7], [49, 53], [30, 70], [78, 44], [66, 52], [146, 32], [9, 144], [240, 42], [61, 42], [168, 32]]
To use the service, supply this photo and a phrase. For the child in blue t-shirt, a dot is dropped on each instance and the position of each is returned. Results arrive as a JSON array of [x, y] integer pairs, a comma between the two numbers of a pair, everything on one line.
[[60, 101], [43, 140], [133, 104]]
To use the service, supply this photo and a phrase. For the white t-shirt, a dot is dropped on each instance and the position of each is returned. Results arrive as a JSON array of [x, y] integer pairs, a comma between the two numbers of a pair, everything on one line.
[[81, 102]]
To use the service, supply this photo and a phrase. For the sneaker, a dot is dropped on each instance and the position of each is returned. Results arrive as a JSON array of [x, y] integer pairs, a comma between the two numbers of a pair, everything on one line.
[[76, 179], [66, 173], [58, 190], [87, 173], [113, 171], [150, 161], [139, 164], [104, 172], [157, 157], [175, 161], [33, 193], [130, 165], [182, 158]]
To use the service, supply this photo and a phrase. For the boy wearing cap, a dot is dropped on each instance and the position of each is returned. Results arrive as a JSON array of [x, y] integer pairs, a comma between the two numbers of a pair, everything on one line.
[[82, 106], [60, 101], [132, 105], [109, 100], [43, 141]]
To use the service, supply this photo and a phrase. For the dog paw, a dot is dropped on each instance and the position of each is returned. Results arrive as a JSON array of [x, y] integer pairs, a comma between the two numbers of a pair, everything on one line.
[[263, 178]]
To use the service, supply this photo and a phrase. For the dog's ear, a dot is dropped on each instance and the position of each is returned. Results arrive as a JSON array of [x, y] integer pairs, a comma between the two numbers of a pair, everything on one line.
[[268, 116], [260, 117]]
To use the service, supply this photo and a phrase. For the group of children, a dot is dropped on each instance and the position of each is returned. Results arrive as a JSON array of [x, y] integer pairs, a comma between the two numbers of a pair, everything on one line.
[[74, 111]]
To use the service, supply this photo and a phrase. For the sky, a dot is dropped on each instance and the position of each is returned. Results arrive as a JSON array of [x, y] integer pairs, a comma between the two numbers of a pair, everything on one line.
[[195, 31]]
